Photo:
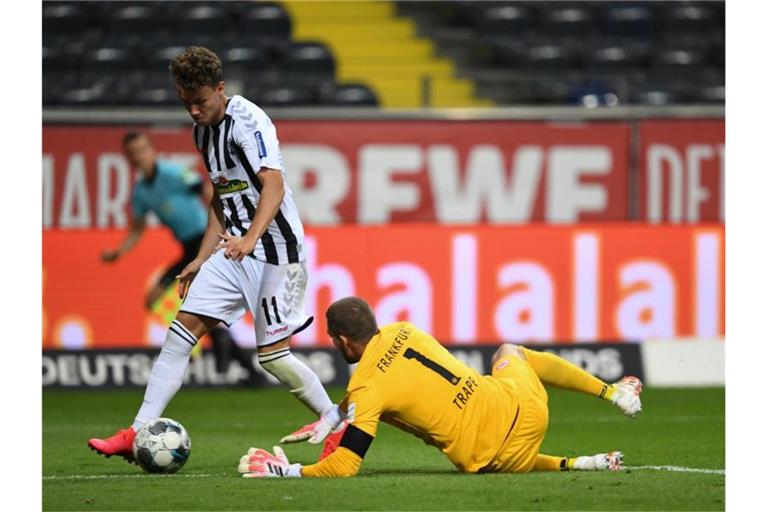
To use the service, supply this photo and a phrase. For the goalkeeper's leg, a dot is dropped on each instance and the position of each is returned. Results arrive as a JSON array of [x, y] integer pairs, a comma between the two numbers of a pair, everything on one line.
[[556, 371], [612, 461]]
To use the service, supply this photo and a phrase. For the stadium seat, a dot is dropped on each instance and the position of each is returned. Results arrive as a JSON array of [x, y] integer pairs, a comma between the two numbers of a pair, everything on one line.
[[136, 18], [620, 19], [350, 95], [677, 58], [553, 56], [64, 17], [503, 19], [155, 96], [109, 58], [567, 21], [616, 56], [294, 96], [692, 18], [241, 62], [309, 60], [200, 18], [265, 19]]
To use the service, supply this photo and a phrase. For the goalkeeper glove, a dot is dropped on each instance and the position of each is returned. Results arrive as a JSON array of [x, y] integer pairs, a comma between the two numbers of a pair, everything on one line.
[[258, 463]]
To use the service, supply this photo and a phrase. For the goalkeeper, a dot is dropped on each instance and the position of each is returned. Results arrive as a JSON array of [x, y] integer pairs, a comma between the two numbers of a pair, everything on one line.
[[492, 423]]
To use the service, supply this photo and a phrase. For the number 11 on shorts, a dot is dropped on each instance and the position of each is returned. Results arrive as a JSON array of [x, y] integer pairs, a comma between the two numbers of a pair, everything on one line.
[[265, 306]]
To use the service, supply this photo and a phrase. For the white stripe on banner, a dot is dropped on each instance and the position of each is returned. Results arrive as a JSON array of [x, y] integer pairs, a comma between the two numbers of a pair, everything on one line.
[[681, 469], [138, 475]]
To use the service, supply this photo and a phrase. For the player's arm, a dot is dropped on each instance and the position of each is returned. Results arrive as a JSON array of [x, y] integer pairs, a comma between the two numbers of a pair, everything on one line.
[[270, 198], [207, 246], [363, 408], [138, 223]]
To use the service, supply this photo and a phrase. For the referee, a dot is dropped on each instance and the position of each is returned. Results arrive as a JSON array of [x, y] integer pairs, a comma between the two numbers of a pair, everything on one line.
[[172, 192]]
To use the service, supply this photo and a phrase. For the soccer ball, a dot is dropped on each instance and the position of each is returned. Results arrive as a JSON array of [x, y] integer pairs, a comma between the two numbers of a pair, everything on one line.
[[161, 446]]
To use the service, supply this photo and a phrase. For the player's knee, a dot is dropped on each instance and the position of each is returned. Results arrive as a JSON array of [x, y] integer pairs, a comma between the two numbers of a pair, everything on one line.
[[507, 349]]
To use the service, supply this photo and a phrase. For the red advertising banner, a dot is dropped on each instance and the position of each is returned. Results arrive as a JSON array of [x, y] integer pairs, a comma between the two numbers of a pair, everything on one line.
[[682, 176], [480, 284], [376, 172]]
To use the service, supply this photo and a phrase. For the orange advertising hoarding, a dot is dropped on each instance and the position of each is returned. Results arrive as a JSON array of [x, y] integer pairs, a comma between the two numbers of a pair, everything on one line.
[[478, 284]]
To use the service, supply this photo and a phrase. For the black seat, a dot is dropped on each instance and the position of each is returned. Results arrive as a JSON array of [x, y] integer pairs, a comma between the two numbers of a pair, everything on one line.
[[608, 55], [109, 58], [503, 19], [678, 58], [155, 96], [310, 61], [627, 20], [86, 96], [287, 96], [571, 20], [266, 20], [553, 56], [136, 18], [64, 18], [241, 62], [353, 95], [692, 18], [201, 18]]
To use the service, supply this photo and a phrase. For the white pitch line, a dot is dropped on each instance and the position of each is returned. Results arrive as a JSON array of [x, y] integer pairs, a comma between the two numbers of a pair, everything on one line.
[[681, 469], [141, 475]]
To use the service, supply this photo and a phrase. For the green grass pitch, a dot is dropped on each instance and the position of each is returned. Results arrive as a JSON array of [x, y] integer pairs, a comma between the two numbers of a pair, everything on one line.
[[678, 427]]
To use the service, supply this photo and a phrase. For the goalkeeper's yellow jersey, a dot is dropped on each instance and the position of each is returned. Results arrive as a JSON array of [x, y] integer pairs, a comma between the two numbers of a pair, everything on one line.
[[407, 379]]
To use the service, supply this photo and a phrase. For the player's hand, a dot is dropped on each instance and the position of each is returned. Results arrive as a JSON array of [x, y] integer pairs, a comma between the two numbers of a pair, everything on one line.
[[235, 247], [110, 255], [258, 463], [187, 275]]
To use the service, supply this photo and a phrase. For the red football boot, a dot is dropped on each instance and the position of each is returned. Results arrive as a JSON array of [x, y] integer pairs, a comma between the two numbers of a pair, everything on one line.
[[333, 440], [119, 444]]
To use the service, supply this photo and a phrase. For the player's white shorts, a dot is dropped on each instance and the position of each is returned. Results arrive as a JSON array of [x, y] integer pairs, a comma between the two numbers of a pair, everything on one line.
[[274, 294]]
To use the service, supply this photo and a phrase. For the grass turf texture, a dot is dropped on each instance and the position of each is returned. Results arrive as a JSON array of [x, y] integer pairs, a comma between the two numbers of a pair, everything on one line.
[[680, 427]]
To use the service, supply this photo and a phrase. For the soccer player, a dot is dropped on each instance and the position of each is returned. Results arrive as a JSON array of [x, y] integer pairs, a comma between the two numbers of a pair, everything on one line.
[[491, 423], [173, 193], [251, 257]]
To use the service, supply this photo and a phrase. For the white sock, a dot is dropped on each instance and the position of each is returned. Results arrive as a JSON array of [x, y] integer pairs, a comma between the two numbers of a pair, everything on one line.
[[167, 373], [303, 383]]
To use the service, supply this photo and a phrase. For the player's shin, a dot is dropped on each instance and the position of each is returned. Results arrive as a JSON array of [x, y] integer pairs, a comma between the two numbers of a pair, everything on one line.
[[167, 373], [303, 383]]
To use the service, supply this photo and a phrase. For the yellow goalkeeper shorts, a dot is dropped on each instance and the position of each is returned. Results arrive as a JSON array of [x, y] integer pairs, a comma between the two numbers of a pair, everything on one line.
[[519, 449]]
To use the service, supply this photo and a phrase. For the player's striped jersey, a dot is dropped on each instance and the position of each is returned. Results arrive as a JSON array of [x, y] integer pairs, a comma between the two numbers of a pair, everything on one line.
[[233, 152]]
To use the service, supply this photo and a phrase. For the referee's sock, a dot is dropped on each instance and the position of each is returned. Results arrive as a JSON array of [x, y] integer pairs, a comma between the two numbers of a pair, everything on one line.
[[303, 383], [167, 373], [556, 371]]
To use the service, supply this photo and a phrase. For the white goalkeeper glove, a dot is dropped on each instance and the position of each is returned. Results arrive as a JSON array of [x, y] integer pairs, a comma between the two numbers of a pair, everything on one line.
[[316, 432], [258, 463]]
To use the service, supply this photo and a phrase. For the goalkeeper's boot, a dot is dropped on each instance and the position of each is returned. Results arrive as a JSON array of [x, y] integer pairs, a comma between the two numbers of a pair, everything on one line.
[[627, 395], [119, 444], [333, 440], [612, 461]]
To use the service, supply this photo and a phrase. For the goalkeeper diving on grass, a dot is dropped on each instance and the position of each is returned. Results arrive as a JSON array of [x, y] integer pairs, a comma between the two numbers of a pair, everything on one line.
[[482, 423]]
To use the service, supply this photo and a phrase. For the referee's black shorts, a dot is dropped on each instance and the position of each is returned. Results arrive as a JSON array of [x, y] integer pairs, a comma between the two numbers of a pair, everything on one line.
[[189, 252]]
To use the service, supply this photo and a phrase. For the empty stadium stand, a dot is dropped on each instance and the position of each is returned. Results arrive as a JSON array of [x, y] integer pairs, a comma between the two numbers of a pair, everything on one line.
[[392, 54]]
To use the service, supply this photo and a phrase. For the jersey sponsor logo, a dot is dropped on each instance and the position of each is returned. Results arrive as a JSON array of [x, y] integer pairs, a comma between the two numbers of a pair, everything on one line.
[[262, 146], [225, 186]]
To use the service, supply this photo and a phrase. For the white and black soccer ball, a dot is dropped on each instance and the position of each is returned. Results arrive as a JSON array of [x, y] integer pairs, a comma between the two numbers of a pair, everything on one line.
[[161, 446]]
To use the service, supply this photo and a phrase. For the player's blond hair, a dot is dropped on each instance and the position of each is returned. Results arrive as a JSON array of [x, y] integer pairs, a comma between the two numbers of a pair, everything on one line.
[[196, 67]]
